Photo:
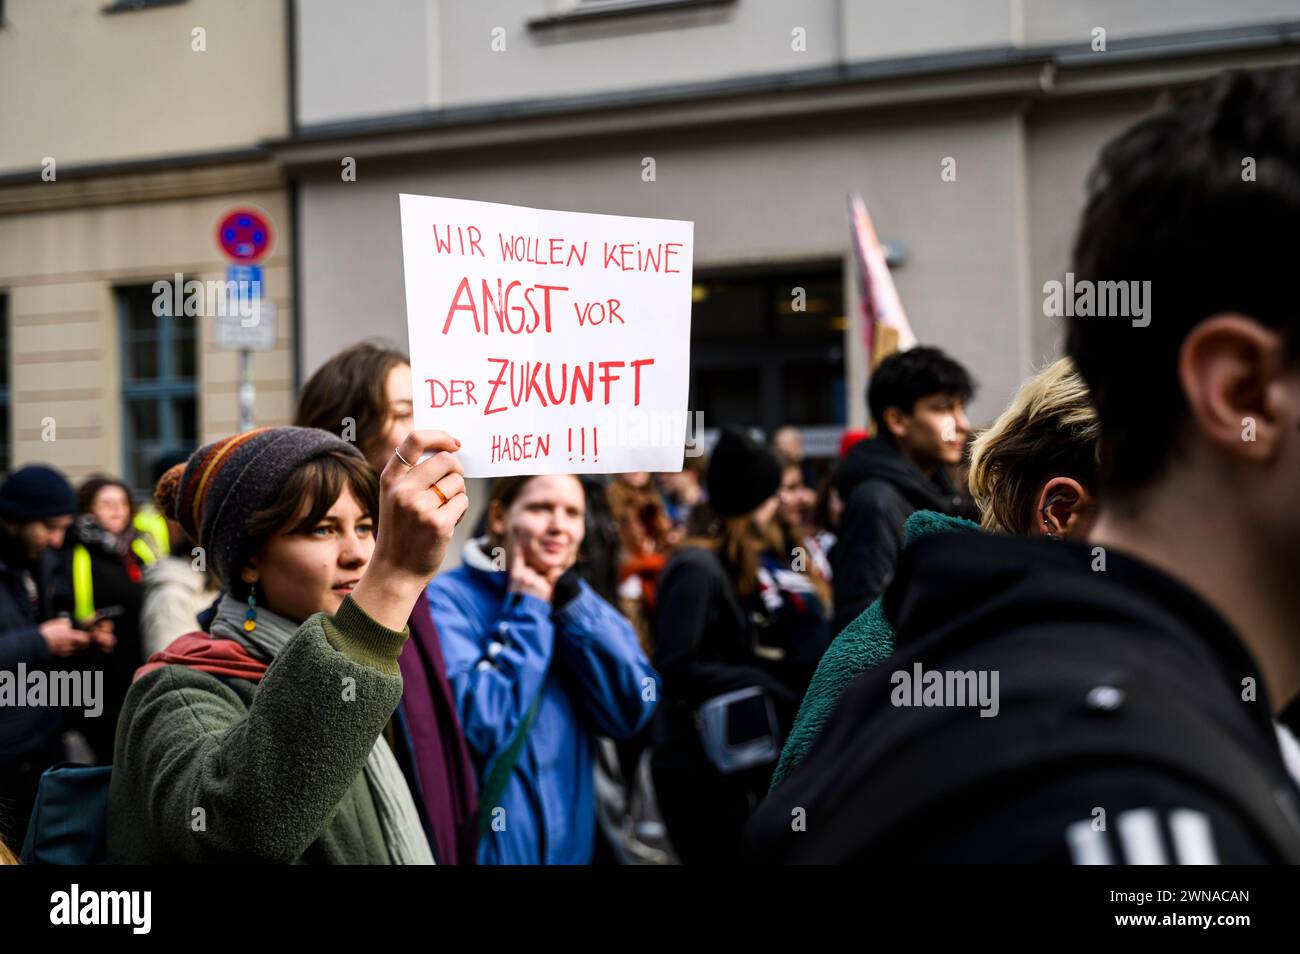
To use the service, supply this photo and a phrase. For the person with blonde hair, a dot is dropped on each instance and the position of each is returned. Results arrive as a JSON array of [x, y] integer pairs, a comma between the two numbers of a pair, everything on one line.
[[1034, 471]]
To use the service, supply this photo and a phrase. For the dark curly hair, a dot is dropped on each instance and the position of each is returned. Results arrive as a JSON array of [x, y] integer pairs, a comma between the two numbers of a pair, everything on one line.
[[1202, 199], [907, 376]]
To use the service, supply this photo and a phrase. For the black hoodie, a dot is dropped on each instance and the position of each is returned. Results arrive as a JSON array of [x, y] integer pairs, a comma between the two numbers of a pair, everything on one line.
[[881, 488], [1131, 724]]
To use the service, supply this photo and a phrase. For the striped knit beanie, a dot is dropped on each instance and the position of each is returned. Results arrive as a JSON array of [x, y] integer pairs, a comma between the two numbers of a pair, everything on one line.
[[214, 495]]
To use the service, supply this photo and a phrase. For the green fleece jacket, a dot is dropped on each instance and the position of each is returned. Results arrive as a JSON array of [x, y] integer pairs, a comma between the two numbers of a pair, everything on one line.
[[271, 772], [864, 644]]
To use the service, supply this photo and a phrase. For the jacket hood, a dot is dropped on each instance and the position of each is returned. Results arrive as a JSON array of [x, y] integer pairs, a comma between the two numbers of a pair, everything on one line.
[[953, 590], [923, 523], [221, 657], [1072, 641], [477, 556], [878, 459]]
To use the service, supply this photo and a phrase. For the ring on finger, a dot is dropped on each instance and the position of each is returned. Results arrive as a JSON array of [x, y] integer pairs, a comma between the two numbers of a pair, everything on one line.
[[398, 452], [438, 490]]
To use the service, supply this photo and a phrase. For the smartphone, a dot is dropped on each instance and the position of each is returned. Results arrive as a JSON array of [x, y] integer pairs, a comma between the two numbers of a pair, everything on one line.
[[107, 612]]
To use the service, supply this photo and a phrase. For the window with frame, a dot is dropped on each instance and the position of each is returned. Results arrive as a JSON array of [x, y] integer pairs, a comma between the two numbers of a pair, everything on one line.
[[764, 355], [159, 384]]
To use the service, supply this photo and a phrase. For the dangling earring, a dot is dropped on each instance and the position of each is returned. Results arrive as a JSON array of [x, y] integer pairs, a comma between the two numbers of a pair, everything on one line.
[[250, 617]]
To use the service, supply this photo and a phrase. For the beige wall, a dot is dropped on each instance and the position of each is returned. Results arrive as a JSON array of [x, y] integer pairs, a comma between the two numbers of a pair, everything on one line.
[[83, 86], [1063, 141], [1074, 21], [359, 60], [772, 193], [406, 55], [60, 268], [978, 250]]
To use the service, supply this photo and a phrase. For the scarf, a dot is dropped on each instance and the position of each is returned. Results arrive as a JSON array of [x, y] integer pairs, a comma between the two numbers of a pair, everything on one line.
[[443, 764], [398, 818], [90, 533]]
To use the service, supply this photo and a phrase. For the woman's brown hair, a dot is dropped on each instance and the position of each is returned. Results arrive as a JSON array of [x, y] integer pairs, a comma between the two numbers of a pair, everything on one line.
[[352, 384], [739, 544], [91, 487], [319, 482]]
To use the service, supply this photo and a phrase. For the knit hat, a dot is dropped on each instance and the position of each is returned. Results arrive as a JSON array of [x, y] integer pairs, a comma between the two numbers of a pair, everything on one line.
[[36, 492], [225, 483], [742, 473]]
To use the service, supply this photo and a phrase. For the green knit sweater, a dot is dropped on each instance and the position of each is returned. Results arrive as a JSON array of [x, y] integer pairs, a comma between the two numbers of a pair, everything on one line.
[[864, 644], [259, 772]]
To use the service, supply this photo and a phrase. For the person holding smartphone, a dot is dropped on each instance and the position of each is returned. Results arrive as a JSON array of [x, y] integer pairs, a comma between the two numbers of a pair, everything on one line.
[[538, 662], [37, 506]]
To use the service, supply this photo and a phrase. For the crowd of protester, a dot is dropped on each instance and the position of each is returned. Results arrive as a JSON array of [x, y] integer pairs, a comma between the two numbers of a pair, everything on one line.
[[692, 666]]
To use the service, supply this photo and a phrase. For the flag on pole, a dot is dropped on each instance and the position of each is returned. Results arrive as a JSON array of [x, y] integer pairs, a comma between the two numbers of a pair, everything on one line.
[[885, 328]]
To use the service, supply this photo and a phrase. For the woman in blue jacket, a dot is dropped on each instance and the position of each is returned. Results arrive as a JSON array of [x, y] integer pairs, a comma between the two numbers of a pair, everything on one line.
[[537, 662]]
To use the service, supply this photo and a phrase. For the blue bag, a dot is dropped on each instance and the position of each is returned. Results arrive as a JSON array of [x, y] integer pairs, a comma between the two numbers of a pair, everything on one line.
[[69, 824]]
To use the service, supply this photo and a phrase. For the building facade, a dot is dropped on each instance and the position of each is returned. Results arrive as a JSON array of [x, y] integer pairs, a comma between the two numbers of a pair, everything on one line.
[[967, 125], [131, 126], [129, 130]]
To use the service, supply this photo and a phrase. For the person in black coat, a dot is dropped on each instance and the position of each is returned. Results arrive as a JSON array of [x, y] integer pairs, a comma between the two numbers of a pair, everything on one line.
[[36, 508], [741, 626], [917, 400]]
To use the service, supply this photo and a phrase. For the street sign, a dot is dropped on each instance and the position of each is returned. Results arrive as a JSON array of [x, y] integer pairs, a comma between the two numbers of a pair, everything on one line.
[[244, 235], [248, 274], [235, 332]]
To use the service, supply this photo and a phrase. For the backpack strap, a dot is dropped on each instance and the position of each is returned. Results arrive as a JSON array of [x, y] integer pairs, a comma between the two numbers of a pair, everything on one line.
[[495, 784]]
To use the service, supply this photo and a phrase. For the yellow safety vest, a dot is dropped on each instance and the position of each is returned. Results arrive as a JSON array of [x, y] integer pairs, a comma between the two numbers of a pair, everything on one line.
[[153, 524], [83, 587]]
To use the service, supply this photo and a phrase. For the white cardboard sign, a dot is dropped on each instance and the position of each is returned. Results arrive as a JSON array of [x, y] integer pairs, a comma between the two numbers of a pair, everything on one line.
[[548, 342]]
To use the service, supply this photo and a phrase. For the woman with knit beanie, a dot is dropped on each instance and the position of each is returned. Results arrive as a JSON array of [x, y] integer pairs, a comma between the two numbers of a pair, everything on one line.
[[268, 739], [368, 387], [740, 629]]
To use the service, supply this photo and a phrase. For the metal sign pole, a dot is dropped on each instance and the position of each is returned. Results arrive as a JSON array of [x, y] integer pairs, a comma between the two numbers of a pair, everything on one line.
[[247, 392]]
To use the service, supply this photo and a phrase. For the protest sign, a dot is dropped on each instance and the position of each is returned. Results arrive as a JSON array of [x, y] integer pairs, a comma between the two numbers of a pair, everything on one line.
[[548, 342]]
